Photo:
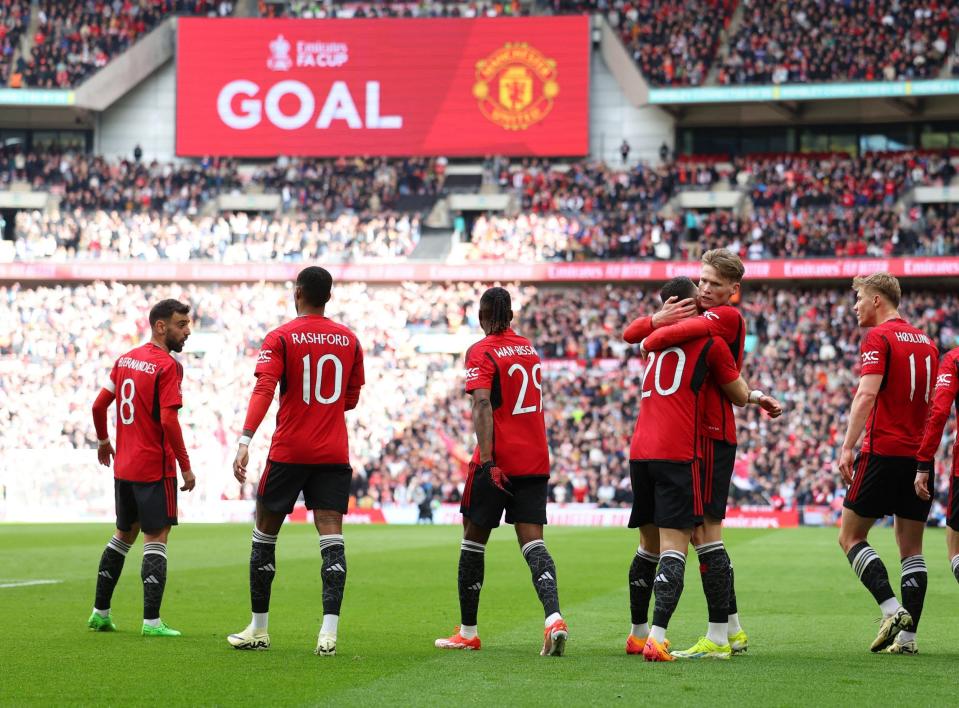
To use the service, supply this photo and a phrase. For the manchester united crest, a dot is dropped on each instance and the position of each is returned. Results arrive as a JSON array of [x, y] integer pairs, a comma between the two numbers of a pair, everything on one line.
[[516, 86]]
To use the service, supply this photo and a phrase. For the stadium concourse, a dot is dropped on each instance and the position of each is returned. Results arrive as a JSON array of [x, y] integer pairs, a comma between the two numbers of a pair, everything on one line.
[[351, 210], [411, 433]]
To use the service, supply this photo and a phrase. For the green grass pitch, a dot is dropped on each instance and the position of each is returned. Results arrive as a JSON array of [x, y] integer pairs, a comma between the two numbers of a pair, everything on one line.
[[809, 620]]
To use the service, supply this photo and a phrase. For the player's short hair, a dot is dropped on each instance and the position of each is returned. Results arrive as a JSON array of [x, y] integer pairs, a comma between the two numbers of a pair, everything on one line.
[[882, 284], [729, 266], [316, 284], [497, 304], [165, 309], [679, 287]]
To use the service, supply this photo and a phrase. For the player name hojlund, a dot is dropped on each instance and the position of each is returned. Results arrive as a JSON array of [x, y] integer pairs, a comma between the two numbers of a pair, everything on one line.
[[514, 351], [911, 338], [339, 340]]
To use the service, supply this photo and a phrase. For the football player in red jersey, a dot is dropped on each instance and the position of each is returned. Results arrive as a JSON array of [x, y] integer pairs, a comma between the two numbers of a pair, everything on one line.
[[945, 396], [666, 462], [319, 366], [890, 406], [720, 280], [509, 471], [146, 384]]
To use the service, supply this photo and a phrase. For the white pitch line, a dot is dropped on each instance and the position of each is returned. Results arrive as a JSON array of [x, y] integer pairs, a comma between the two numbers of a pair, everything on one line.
[[26, 583]]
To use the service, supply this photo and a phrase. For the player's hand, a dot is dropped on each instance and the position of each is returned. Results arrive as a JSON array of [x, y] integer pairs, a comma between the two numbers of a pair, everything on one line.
[[922, 486], [845, 465], [642, 349], [240, 463], [674, 310], [189, 480], [105, 454], [497, 476], [771, 406]]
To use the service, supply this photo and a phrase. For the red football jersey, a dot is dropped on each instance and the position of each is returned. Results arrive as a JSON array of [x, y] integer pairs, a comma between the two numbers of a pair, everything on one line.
[[724, 322], [319, 364], [907, 360], [669, 426], [509, 367], [144, 380], [944, 396]]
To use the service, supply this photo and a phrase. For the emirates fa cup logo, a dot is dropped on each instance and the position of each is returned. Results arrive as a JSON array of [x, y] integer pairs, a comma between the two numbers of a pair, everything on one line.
[[279, 55]]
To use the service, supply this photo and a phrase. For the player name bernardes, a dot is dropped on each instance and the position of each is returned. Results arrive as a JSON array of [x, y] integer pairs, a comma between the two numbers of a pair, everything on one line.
[[128, 362], [501, 352], [340, 340], [913, 338]]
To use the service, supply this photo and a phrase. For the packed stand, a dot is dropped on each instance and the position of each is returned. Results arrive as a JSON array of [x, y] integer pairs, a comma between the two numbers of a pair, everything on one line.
[[226, 238], [14, 20], [328, 9], [412, 429], [76, 39], [799, 41]]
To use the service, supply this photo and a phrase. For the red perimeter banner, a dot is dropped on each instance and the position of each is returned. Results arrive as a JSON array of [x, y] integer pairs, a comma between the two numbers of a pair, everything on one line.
[[456, 87], [585, 272]]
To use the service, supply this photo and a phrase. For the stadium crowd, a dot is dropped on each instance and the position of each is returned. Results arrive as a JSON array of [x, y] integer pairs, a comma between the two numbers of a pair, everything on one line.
[[329, 9], [412, 427], [14, 19], [799, 41], [75, 39], [801, 205]]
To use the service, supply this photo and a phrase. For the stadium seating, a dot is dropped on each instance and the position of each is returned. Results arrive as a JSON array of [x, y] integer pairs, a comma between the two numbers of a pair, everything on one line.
[[361, 209], [57, 343], [805, 41], [75, 39], [14, 19]]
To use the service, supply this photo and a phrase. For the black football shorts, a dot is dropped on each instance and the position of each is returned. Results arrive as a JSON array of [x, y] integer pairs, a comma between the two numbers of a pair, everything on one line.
[[151, 504], [324, 487], [884, 485], [667, 494], [719, 458], [484, 504]]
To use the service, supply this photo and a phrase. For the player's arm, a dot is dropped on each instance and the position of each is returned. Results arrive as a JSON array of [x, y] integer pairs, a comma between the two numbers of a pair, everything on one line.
[[483, 423], [170, 422], [171, 399], [947, 388], [357, 379], [105, 451], [723, 322], [723, 369], [862, 405], [673, 310], [269, 369]]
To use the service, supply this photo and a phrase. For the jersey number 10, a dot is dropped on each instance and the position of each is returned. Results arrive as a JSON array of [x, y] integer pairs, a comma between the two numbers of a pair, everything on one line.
[[309, 393]]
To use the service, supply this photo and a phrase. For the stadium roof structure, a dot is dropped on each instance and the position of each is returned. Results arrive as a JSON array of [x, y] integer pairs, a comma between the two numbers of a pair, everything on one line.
[[864, 101]]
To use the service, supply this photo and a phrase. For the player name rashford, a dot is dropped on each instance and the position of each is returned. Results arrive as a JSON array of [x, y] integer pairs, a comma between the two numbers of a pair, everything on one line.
[[128, 362], [340, 340], [913, 338], [514, 351]]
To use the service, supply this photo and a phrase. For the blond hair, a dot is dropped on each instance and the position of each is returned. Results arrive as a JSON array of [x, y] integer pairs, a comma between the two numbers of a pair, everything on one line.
[[882, 284], [729, 266]]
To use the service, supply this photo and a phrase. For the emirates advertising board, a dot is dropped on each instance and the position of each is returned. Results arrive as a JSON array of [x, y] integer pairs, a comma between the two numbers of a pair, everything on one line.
[[402, 87]]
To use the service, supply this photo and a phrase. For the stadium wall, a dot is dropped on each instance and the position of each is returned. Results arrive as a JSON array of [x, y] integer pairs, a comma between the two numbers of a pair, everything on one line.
[[146, 116], [613, 118]]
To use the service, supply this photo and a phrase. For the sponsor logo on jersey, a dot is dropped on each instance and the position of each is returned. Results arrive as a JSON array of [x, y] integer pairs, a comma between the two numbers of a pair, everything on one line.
[[264, 356], [711, 315], [472, 373], [943, 380], [870, 357]]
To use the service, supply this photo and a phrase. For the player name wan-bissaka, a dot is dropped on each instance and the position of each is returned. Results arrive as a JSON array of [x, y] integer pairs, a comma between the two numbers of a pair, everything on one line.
[[340, 340], [128, 362], [514, 351], [911, 338]]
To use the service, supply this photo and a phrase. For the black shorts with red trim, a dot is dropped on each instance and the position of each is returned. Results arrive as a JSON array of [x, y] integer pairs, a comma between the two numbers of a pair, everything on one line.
[[150, 504], [483, 503], [952, 509], [324, 487], [719, 458], [667, 494], [883, 485]]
